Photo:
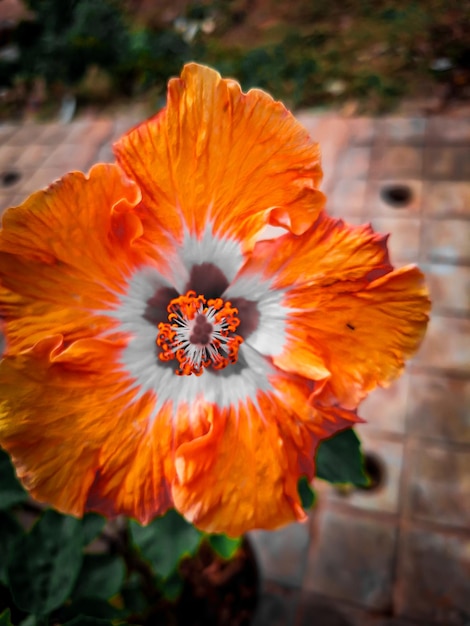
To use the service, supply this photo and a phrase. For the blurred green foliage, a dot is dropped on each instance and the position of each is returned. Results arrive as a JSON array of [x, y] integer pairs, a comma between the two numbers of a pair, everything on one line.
[[69, 35], [372, 52]]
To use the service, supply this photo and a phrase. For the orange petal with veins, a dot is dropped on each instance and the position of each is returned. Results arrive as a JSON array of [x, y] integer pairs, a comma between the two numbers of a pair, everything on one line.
[[243, 472], [351, 318], [82, 439], [218, 156]]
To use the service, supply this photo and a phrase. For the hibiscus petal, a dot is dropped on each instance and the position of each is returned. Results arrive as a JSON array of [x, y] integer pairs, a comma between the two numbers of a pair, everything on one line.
[[65, 254], [343, 307], [218, 156], [234, 477], [81, 439], [243, 472]]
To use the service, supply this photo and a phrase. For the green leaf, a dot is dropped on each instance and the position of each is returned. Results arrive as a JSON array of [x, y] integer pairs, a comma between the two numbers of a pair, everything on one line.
[[43, 565], [224, 546], [133, 595], [31, 620], [5, 618], [171, 587], [306, 493], [35, 620], [82, 620], [93, 524], [11, 491], [101, 576], [95, 608], [10, 530], [165, 541], [339, 460]]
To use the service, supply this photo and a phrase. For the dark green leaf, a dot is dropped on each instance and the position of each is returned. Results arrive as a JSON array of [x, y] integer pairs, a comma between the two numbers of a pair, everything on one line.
[[82, 620], [35, 620], [133, 595], [224, 546], [43, 565], [339, 460], [101, 576], [11, 491], [306, 493], [91, 607], [171, 587], [10, 530], [32, 620], [93, 524], [5, 618], [165, 541]]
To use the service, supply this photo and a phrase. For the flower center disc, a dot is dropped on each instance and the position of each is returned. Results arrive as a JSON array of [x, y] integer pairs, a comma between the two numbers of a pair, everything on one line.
[[199, 334]]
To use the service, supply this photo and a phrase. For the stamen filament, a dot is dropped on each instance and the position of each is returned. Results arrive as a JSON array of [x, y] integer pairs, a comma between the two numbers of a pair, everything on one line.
[[199, 334]]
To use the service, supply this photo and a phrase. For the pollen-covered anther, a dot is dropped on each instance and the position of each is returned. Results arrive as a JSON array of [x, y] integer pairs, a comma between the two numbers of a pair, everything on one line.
[[199, 333]]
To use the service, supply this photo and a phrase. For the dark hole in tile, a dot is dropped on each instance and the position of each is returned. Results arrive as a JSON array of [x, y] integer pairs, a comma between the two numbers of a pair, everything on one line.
[[375, 470], [9, 178], [397, 196]]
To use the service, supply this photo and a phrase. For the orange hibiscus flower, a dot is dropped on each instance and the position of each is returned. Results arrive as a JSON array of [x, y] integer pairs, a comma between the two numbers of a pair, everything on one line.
[[158, 353]]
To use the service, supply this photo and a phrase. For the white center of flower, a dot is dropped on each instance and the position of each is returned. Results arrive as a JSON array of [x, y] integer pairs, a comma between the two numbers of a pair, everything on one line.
[[199, 333]]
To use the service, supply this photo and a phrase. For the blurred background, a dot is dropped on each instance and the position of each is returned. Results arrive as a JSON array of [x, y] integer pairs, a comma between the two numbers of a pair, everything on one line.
[[360, 56]]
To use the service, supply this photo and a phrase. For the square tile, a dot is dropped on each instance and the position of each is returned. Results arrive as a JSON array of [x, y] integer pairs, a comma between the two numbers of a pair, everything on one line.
[[354, 162], [405, 237], [447, 163], [446, 345], [446, 241], [5, 202], [316, 609], [277, 606], [332, 134], [439, 407], [448, 130], [26, 134], [6, 131], [39, 179], [385, 408], [362, 130], [446, 199], [410, 130], [449, 286], [399, 162], [105, 154], [310, 120], [78, 129], [33, 156], [282, 554], [98, 133], [127, 121], [9, 156], [347, 198], [352, 559], [433, 577], [67, 157], [437, 484], [54, 133]]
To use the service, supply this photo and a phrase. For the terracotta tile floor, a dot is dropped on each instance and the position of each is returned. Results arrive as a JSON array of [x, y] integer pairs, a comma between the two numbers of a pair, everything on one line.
[[399, 554]]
